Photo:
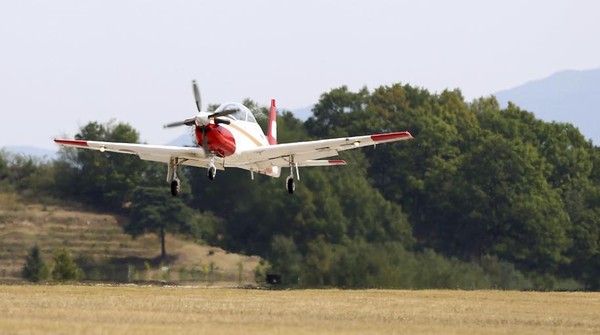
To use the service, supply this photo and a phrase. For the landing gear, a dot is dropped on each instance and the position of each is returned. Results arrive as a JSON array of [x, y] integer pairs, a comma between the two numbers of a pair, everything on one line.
[[172, 176], [212, 172], [289, 182], [175, 185], [290, 185]]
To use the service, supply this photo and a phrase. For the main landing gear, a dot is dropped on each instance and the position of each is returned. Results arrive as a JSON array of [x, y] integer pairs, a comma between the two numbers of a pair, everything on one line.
[[172, 176], [289, 182], [172, 173], [290, 185], [175, 186]]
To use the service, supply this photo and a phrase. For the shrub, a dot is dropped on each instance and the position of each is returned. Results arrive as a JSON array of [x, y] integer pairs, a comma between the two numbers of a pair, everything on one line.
[[64, 268], [34, 269]]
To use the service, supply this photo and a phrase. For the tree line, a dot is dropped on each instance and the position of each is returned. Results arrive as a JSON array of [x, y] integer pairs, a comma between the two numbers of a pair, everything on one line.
[[483, 196]]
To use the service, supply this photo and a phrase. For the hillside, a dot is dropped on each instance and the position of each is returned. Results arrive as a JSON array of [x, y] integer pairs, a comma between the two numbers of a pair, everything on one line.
[[100, 247], [567, 96]]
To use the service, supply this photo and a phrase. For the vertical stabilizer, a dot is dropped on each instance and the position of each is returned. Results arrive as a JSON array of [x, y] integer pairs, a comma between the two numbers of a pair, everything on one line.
[[272, 131]]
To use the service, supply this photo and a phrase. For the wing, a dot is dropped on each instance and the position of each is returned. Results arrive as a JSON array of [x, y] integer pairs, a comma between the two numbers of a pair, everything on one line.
[[308, 153], [155, 153], [257, 159]]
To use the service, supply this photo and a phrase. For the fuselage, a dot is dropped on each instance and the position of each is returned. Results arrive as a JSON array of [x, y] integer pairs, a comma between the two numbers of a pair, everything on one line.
[[242, 133]]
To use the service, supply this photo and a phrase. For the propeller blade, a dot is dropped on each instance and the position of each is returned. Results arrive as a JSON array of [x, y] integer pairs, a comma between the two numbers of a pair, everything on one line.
[[224, 113], [205, 142], [224, 121], [186, 122], [197, 96]]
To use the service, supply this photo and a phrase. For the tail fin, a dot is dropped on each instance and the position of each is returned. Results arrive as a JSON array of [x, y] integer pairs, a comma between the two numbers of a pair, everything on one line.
[[272, 131]]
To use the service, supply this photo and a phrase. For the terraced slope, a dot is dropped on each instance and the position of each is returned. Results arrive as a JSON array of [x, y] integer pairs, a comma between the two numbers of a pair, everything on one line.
[[100, 247]]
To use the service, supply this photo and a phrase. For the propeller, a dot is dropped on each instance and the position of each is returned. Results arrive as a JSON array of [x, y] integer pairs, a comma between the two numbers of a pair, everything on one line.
[[203, 118], [186, 122]]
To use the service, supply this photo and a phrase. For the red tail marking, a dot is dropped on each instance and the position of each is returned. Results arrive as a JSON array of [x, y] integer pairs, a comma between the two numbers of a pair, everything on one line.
[[272, 130]]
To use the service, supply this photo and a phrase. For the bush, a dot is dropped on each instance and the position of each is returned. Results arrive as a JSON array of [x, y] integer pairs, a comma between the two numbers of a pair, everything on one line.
[[64, 268], [504, 275], [34, 269], [260, 272]]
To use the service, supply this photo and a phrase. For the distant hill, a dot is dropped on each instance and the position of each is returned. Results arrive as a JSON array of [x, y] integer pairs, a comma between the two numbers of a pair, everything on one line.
[[32, 151], [183, 140], [567, 96], [303, 113]]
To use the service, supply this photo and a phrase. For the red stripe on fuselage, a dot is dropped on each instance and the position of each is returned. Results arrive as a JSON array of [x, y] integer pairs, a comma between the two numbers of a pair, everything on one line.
[[78, 143], [390, 136]]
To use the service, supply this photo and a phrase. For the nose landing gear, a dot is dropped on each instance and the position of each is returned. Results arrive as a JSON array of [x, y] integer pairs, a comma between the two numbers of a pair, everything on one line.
[[212, 170]]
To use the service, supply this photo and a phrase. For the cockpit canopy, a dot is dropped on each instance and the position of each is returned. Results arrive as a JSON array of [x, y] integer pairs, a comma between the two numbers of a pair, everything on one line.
[[242, 112]]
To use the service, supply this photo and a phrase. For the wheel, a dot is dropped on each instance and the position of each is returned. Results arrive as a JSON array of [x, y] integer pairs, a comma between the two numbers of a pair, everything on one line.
[[175, 187], [212, 172], [290, 184]]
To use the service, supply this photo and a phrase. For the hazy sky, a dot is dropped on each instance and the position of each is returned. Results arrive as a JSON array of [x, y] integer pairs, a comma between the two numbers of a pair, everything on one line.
[[65, 63]]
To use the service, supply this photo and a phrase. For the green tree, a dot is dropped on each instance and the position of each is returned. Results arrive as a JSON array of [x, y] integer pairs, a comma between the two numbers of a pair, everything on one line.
[[3, 166], [34, 269], [336, 111], [25, 174], [286, 259], [64, 268], [154, 210], [101, 179], [502, 205], [585, 249]]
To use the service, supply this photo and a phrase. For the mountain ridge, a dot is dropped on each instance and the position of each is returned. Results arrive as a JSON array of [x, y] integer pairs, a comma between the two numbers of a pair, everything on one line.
[[571, 96]]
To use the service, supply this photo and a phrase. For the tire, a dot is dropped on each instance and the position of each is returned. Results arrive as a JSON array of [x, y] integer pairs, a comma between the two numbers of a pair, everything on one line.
[[212, 172], [290, 185], [175, 188]]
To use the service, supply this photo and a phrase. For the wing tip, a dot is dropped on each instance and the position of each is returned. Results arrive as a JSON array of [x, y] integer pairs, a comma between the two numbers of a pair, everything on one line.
[[388, 137], [77, 143]]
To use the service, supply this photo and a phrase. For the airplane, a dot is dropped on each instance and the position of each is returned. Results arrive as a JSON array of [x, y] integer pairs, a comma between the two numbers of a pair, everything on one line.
[[231, 137]]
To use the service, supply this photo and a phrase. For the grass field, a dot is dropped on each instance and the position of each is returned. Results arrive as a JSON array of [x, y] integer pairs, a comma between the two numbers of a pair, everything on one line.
[[66, 309]]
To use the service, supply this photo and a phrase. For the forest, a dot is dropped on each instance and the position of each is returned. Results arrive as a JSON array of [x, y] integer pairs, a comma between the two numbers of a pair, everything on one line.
[[482, 197]]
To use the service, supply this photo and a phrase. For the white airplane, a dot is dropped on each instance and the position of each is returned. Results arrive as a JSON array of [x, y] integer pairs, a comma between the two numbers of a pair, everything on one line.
[[231, 137]]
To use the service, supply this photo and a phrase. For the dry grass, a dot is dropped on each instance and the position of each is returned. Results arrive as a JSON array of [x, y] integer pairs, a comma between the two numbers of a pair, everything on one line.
[[180, 310]]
